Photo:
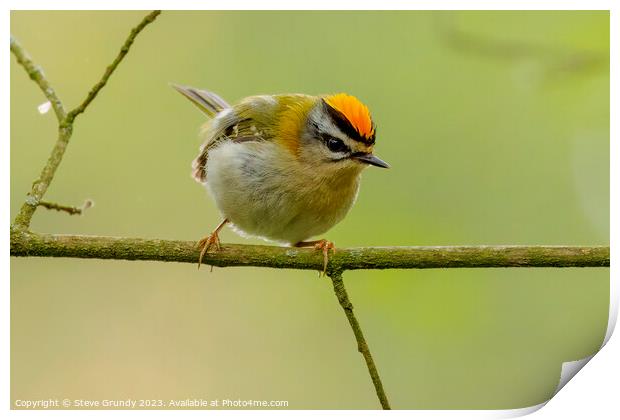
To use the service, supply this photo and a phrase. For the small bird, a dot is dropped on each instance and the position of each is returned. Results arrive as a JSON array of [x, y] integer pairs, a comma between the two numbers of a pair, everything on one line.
[[284, 168]]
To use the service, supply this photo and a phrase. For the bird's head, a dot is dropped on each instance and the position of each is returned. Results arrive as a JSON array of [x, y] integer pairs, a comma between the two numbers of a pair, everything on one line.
[[339, 134]]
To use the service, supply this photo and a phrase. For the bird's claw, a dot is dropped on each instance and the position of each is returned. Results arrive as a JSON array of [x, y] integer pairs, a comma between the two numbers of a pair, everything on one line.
[[207, 242], [325, 246]]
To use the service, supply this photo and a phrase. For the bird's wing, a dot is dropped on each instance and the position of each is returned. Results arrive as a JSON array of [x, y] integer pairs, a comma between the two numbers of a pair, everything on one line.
[[250, 120], [235, 124]]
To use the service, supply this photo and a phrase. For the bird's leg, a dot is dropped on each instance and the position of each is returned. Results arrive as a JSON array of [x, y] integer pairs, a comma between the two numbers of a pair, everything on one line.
[[322, 244], [211, 239]]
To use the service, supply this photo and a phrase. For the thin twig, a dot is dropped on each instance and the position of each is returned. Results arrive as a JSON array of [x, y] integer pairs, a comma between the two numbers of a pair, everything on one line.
[[362, 346], [67, 209], [65, 120], [78, 246], [150, 18], [36, 74]]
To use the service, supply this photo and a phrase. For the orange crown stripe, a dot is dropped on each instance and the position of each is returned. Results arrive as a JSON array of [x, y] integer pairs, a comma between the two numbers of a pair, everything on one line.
[[355, 111]]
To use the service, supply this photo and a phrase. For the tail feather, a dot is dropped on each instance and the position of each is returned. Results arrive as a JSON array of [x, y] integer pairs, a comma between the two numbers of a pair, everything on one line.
[[208, 102]]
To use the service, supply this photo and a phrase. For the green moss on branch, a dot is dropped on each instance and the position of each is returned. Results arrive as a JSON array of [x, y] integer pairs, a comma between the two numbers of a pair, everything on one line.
[[101, 247]]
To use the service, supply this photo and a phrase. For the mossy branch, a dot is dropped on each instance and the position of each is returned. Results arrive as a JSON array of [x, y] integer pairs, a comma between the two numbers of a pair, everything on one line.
[[36, 74], [27, 244]]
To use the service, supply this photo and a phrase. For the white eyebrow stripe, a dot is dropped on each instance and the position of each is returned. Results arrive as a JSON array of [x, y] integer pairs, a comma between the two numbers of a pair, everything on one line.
[[325, 125]]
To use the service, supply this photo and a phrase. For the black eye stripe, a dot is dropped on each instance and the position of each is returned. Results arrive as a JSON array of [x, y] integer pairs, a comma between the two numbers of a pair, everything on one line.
[[336, 145]]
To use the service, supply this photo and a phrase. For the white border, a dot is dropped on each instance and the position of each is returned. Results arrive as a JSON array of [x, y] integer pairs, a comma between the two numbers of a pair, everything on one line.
[[598, 384], [316, 4]]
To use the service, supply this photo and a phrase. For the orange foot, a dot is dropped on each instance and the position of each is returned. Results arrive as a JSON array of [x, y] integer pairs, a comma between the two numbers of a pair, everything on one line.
[[210, 240], [322, 244]]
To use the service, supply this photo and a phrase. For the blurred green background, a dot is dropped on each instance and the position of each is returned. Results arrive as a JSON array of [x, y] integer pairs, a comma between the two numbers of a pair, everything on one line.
[[496, 125]]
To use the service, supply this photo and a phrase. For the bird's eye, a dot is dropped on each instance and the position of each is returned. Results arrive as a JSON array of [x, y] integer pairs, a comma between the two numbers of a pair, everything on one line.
[[336, 145]]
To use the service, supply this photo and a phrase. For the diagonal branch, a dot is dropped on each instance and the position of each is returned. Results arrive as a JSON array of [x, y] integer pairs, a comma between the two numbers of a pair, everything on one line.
[[150, 18], [65, 120], [362, 346], [41, 184], [36, 74]]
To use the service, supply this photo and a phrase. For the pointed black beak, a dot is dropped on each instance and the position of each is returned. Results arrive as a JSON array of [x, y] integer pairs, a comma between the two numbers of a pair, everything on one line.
[[372, 160]]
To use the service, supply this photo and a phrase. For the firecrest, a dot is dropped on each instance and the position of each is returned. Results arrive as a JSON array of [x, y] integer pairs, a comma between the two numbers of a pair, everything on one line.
[[284, 167]]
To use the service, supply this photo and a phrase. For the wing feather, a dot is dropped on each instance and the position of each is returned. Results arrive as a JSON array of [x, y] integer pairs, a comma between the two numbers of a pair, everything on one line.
[[247, 121], [208, 102]]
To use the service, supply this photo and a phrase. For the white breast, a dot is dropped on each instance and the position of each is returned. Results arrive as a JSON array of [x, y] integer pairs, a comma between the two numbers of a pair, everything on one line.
[[266, 192]]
